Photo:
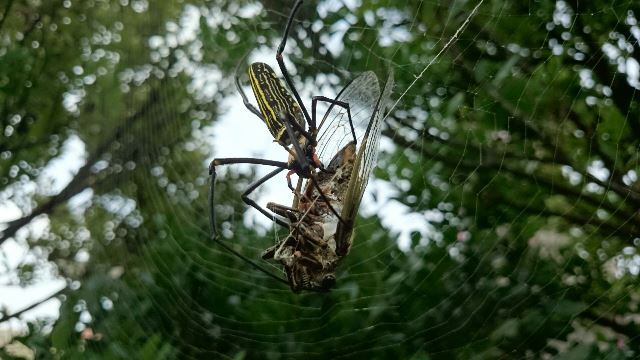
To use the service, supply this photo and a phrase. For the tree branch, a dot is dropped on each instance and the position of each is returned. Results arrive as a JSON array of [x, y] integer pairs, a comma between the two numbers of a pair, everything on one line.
[[36, 304], [83, 178], [556, 187], [5, 14]]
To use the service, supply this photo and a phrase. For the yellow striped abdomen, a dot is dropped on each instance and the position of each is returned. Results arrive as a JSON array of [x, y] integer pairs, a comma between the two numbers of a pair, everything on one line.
[[274, 100]]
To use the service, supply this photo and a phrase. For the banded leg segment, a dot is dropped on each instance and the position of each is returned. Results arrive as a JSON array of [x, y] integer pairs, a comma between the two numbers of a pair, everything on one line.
[[284, 211]]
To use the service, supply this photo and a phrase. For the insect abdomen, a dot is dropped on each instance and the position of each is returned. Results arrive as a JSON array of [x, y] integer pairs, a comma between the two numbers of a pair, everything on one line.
[[274, 100]]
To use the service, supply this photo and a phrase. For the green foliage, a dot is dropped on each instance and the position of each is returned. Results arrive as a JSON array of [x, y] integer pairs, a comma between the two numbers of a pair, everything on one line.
[[528, 252]]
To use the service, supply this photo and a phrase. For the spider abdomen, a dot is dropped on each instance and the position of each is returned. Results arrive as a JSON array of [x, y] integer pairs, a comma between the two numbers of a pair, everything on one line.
[[274, 100]]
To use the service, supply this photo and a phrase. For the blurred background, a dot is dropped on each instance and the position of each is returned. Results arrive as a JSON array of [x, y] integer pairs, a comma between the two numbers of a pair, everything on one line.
[[502, 221]]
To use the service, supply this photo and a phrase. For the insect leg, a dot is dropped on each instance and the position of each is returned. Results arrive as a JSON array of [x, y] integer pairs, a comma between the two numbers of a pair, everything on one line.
[[304, 165], [284, 211], [280, 60]]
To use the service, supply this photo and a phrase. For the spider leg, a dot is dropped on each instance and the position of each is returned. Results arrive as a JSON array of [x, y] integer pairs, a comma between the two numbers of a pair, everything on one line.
[[251, 202], [245, 196], [215, 238], [314, 181], [245, 100], [297, 127], [296, 150], [314, 103], [342, 104], [298, 154], [283, 68]]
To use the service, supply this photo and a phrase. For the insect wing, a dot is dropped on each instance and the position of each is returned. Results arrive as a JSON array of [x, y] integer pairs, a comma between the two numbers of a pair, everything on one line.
[[334, 129], [365, 162]]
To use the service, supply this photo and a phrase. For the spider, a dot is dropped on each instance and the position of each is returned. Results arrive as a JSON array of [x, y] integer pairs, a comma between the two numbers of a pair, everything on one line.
[[285, 117], [319, 235]]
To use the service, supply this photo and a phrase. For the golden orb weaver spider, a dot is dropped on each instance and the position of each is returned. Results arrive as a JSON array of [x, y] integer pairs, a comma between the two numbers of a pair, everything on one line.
[[285, 118]]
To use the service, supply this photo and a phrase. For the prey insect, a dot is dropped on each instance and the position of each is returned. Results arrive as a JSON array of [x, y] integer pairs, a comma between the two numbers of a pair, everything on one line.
[[318, 239]]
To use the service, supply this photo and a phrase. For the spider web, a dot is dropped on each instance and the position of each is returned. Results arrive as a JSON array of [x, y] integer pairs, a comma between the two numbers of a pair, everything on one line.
[[501, 220]]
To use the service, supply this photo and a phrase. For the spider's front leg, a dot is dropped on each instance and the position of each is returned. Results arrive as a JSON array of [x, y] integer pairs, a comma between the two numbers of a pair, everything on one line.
[[283, 68], [314, 104], [299, 158]]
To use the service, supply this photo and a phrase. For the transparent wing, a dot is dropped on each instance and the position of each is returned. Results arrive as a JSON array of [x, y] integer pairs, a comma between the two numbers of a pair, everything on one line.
[[365, 160], [334, 130]]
